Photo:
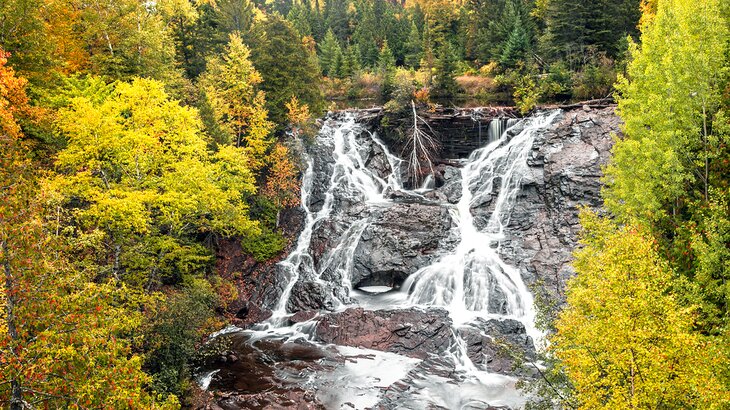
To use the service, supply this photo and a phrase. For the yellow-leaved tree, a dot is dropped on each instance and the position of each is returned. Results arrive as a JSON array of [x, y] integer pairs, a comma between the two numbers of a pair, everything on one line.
[[624, 339], [230, 84], [136, 185], [65, 341]]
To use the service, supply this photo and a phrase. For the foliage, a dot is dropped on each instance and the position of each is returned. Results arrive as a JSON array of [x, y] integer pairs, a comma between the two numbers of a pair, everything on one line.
[[673, 85], [282, 184], [230, 85], [329, 49], [386, 68], [265, 246], [624, 339], [574, 26], [136, 182], [172, 332], [299, 118], [595, 80], [444, 84], [296, 75], [63, 340]]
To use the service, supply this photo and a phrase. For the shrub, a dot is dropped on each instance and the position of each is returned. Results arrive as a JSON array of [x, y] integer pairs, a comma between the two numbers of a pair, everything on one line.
[[595, 80], [265, 246], [175, 327]]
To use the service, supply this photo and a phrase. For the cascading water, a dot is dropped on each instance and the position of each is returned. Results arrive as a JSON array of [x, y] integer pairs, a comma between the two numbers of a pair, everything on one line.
[[350, 178], [468, 279], [498, 126]]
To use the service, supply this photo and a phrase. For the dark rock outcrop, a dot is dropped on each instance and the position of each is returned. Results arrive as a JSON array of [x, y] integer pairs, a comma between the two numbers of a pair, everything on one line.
[[272, 370], [497, 345], [411, 332], [397, 242]]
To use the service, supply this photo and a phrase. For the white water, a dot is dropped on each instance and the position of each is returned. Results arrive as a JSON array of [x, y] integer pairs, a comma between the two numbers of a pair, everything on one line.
[[350, 178], [466, 280], [463, 281]]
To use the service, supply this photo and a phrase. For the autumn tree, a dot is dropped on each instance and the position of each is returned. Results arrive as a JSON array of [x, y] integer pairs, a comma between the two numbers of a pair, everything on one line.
[[136, 184], [625, 339], [667, 103], [231, 85], [64, 341]]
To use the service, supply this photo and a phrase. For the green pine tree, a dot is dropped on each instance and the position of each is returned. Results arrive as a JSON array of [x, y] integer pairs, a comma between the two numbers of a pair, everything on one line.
[[444, 83], [413, 47], [328, 50], [386, 68]]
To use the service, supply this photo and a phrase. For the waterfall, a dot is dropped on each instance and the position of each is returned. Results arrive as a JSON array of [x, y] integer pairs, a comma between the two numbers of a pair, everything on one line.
[[498, 126], [351, 180], [467, 280]]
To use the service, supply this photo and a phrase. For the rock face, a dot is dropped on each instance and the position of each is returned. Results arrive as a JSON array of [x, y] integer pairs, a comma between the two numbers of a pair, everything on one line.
[[565, 167], [492, 345], [398, 242], [409, 332]]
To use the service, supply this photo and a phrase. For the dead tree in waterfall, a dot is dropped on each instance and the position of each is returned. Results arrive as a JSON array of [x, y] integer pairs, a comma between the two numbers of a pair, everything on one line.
[[420, 150]]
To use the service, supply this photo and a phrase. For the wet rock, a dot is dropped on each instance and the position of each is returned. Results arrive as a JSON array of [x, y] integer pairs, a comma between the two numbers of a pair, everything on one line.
[[289, 400], [265, 374], [565, 171], [249, 313], [397, 242], [311, 295], [438, 373], [448, 179], [498, 346], [303, 316], [411, 332]]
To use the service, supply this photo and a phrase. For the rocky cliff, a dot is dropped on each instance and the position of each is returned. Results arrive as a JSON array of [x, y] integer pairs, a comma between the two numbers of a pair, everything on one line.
[[361, 234]]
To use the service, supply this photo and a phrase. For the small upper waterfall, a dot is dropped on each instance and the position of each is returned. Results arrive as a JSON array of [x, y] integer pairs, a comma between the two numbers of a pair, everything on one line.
[[352, 193], [498, 126]]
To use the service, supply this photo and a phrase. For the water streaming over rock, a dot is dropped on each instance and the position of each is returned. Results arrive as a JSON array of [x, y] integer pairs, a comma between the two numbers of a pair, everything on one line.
[[452, 286], [498, 126], [473, 280]]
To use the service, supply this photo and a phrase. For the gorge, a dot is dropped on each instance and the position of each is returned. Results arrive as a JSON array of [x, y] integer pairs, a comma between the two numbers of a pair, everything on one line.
[[414, 297]]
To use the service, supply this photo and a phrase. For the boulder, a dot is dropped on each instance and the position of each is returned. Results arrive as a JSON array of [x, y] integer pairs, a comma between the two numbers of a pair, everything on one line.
[[411, 332]]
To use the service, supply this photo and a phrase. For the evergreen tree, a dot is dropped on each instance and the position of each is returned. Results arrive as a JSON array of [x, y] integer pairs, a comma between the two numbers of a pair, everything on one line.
[[366, 37], [296, 75], [231, 85], [338, 70], [413, 47], [516, 46], [351, 63], [572, 26], [328, 51], [386, 68], [336, 18], [299, 17], [445, 84]]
